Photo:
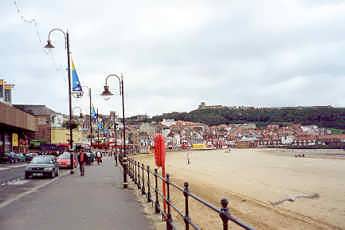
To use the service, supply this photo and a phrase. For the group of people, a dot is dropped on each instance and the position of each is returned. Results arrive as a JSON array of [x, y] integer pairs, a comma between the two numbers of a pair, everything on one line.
[[82, 158]]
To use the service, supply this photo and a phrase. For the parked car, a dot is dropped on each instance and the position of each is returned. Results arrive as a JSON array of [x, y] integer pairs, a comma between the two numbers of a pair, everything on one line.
[[42, 166], [90, 157], [29, 156], [64, 161], [5, 158], [20, 157]]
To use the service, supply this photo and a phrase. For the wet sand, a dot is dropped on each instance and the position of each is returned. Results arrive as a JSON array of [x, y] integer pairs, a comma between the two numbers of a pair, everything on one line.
[[257, 181]]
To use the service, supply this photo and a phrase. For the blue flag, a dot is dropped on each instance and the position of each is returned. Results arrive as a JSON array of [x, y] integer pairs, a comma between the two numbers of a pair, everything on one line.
[[76, 86], [100, 125], [93, 113]]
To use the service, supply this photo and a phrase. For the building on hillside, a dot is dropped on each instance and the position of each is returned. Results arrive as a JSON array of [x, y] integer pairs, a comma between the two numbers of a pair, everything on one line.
[[57, 120], [148, 128], [204, 106], [168, 122], [310, 129], [305, 141], [334, 140], [246, 144], [287, 140], [248, 126], [137, 118]]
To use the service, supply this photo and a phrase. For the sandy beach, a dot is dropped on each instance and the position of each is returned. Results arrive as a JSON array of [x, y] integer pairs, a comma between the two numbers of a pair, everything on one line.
[[259, 184]]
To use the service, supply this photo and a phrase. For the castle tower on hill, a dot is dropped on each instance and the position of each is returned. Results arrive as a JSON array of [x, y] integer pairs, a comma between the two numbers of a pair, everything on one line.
[[204, 106]]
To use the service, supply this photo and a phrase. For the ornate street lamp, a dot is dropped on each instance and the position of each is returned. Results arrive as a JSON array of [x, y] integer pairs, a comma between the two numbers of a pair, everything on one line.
[[49, 45], [107, 94], [115, 138], [79, 95]]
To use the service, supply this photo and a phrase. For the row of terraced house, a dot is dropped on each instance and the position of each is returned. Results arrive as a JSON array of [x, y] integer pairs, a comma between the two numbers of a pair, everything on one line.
[[183, 134]]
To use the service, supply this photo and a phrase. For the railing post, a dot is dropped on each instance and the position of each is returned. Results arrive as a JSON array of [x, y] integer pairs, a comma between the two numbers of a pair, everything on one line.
[[135, 171], [143, 179], [156, 192], [125, 171], [132, 170], [148, 184], [186, 205], [169, 217], [224, 212], [130, 167], [115, 156], [139, 185]]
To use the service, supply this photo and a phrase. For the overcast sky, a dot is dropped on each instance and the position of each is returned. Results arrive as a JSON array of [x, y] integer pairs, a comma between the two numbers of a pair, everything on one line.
[[175, 54]]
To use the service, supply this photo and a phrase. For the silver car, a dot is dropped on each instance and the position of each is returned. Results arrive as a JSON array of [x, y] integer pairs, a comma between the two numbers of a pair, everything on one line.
[[42, 166]]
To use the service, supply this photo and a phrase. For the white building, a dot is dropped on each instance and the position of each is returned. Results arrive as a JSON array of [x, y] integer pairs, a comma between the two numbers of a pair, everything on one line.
[[168, 122], [287, 140]]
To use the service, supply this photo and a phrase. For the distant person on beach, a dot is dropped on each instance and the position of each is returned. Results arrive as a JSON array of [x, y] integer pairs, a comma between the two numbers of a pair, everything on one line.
[[188, 158]]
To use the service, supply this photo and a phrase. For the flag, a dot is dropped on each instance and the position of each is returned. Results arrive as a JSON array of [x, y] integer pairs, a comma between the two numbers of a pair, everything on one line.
[[2, 83], [93, 113], [100, 124], [76, 86]]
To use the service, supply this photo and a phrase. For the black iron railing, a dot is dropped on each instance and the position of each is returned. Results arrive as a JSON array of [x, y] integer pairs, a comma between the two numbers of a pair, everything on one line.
[[142, 177]]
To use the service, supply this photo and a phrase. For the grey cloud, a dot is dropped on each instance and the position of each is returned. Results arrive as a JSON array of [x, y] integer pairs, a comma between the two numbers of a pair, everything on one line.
[[271, 53]]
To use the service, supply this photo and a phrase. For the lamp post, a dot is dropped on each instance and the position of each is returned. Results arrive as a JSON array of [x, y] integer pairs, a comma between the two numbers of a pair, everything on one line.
[[90, 120], [97, 130], [50, 46], [107, 93], [90, 111], [115, 140]]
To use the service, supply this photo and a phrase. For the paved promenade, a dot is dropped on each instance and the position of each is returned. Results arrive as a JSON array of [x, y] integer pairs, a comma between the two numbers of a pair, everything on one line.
[[96, 201]]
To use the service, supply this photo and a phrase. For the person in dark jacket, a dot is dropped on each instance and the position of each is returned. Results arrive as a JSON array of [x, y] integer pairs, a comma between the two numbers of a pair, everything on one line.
[[82, 160]]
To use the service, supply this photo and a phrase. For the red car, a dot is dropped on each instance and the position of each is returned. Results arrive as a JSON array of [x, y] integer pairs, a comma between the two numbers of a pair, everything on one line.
[[64, 161]]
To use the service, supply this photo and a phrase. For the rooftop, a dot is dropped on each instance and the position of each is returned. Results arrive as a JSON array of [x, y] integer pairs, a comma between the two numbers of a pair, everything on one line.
[[36, 110]]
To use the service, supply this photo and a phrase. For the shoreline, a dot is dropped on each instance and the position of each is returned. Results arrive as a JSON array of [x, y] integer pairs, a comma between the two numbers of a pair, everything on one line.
[[309, 153]]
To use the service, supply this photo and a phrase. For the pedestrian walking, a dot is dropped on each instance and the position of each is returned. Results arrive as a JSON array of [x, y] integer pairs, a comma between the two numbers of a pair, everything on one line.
[[81, 160], [99, 157], [115, 157]]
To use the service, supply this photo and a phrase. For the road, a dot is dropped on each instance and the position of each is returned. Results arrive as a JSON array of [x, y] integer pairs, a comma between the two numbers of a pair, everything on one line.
[[13, 184], [11, 172]]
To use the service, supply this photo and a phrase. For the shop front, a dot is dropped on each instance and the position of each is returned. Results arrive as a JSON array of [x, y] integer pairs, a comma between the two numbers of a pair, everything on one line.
[[16, 129]]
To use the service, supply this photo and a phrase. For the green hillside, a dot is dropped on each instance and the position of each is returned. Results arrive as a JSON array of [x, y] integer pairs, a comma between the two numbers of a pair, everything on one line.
[[323, 116]]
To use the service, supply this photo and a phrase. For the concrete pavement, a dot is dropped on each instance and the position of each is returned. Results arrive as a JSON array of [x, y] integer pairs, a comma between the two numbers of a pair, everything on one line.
[[96, 201]]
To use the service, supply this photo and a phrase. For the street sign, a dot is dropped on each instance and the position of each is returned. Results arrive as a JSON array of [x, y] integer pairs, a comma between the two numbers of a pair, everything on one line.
[[14, 139]]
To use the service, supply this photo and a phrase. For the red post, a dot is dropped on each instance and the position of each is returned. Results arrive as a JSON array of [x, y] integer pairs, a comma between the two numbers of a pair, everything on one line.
[[160, 162], [164, 189]]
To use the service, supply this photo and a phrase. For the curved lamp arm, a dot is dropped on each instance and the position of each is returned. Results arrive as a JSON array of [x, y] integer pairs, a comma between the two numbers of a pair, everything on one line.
[[49, 44], [120, 79]]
